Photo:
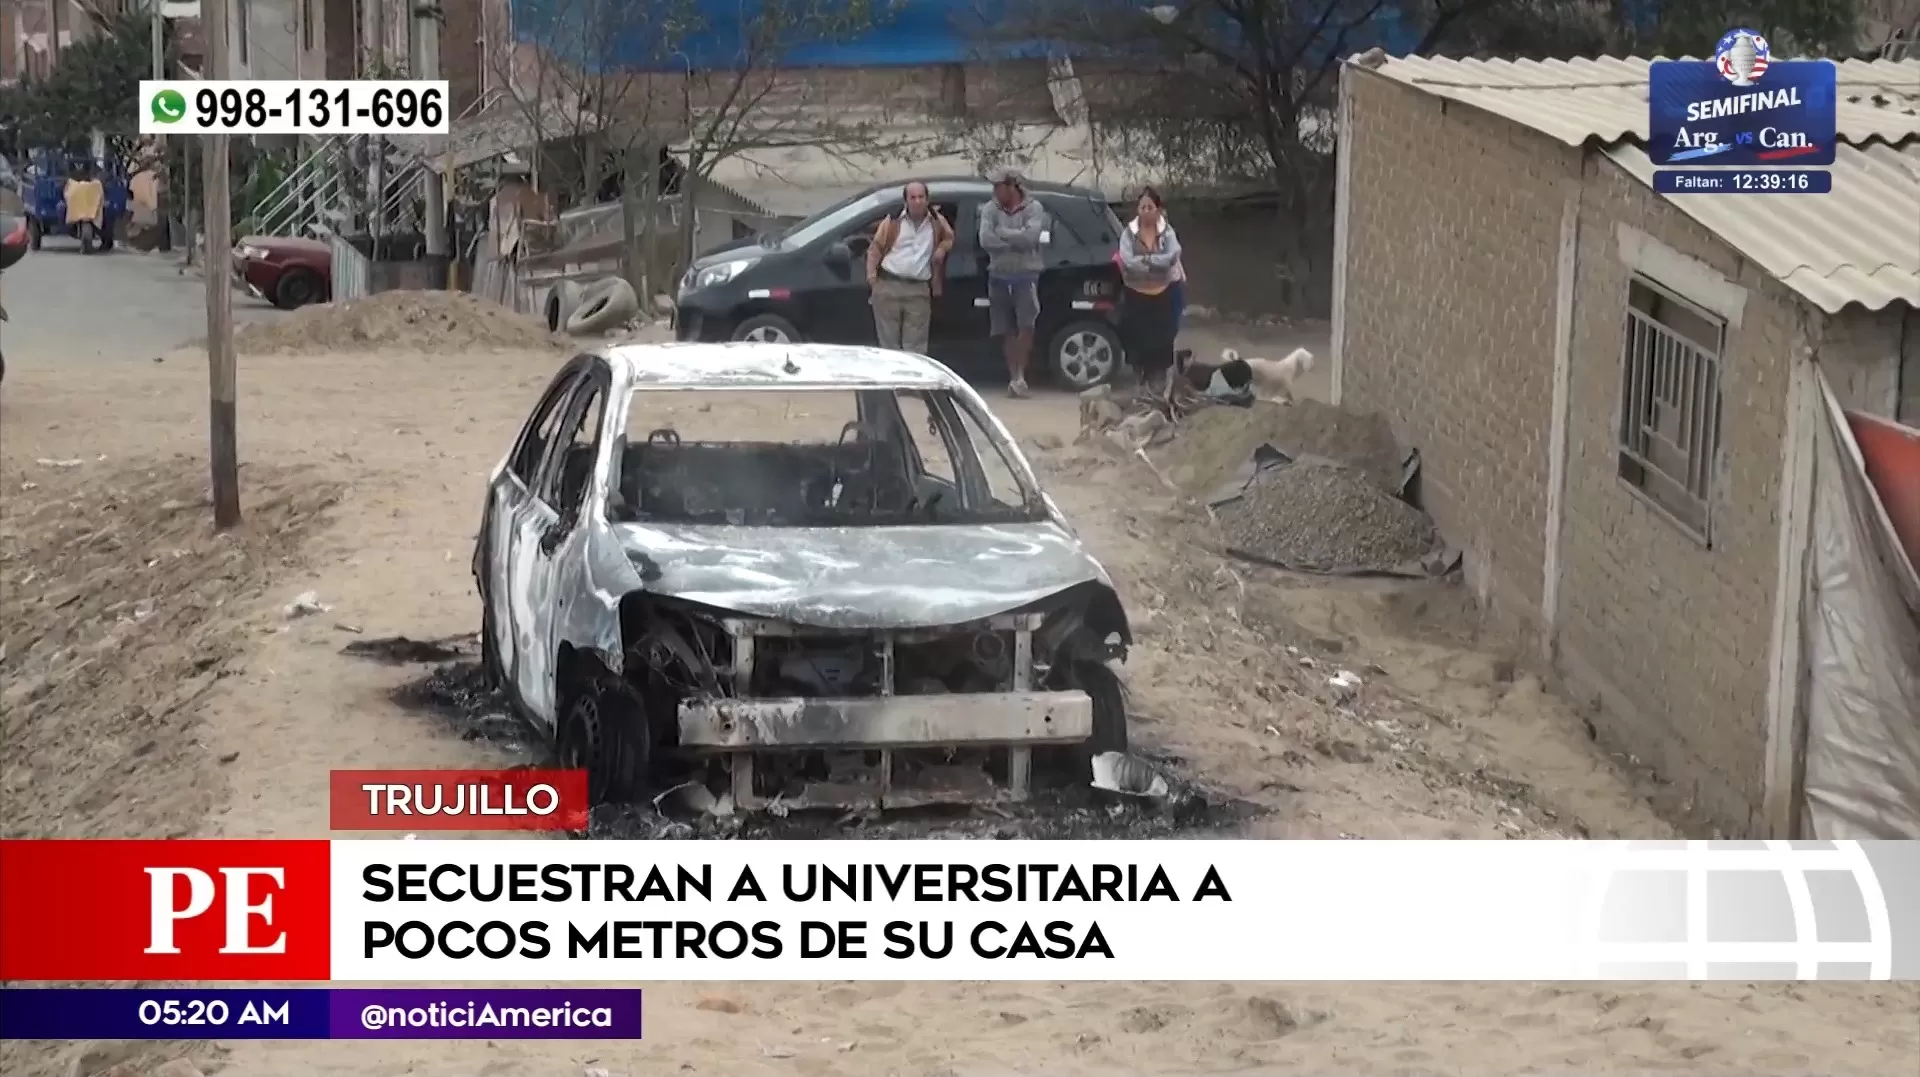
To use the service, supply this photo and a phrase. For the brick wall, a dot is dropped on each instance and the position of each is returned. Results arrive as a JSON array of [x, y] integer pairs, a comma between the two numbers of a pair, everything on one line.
[[338, 43], [1671, 636], [10, 44], [1910, 368], [1860, 354], [461, 53], [1452, 247], [1016, 90], [1235, 261]]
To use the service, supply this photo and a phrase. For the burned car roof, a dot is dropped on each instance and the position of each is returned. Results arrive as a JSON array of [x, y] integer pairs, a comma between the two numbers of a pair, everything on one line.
[[757, 365], [873, 572]]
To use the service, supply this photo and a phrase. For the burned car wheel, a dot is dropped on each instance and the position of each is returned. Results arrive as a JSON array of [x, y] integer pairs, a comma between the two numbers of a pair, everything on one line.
[[603, 731], [1073, 765], [1097, 680]]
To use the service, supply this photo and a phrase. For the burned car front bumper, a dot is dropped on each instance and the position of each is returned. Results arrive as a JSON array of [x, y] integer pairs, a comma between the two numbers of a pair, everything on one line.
[[973, 719], [898, 739]]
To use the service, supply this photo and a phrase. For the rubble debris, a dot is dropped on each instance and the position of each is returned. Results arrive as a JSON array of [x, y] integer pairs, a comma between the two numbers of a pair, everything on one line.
[[460, 693], [1345, 686], [1117, 772], [1316, 515], [1099, 412], [695, 798], [402, 651], [400, 320], [305, 604], [44, 462]]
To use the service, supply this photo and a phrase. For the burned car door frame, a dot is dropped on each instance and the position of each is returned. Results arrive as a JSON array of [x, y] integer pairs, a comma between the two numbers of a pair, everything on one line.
[[512, 489], [546, 554]]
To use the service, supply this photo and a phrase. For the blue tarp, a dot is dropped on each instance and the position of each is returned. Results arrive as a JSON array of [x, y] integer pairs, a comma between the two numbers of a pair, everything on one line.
[[912, 33]]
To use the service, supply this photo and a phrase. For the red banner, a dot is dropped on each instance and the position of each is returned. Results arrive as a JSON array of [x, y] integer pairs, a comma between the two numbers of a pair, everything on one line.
[[458, 800], [164, 910]]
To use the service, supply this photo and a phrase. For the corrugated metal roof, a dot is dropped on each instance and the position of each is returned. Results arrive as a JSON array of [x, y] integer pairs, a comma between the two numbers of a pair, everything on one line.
[[1861, 244], [1606, 99]]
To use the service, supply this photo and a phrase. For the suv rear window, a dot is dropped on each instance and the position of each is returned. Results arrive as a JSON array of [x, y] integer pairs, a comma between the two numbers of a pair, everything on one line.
[[1087, 223]]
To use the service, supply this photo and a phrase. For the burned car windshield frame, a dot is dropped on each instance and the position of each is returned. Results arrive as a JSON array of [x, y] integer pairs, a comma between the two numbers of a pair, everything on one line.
[[873, 476]]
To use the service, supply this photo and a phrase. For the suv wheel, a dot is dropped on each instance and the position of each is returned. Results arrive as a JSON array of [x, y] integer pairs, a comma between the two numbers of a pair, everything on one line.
[[1085, 354], [767, 329]]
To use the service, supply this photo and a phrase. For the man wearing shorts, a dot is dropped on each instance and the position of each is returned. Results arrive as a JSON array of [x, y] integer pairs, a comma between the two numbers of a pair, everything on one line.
[[1012, 229]]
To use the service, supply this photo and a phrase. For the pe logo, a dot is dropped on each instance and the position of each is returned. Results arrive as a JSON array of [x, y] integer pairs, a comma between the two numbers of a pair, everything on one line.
[[1741, 57], [169, 106]]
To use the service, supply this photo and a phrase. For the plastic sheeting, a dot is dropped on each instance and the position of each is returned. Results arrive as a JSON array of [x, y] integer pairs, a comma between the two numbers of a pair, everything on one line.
[[1862, 776]]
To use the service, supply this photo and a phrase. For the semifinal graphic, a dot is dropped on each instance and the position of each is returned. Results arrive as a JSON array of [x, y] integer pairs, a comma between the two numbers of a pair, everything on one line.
[[1742, 108]]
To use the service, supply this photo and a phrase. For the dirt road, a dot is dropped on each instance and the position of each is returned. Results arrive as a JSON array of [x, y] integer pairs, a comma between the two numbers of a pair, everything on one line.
[[155, 687]]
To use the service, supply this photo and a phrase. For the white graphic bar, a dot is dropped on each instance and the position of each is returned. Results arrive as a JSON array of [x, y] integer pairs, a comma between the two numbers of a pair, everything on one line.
[[293, 107], [1103, 910]]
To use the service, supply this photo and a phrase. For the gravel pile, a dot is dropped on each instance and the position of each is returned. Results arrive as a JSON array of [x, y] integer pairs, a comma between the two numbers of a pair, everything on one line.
[[1319, 516], [1212, 443], [434, 322]]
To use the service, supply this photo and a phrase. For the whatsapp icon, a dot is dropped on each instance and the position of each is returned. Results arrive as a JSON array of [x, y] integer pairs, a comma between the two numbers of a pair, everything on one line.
[[169, 106]]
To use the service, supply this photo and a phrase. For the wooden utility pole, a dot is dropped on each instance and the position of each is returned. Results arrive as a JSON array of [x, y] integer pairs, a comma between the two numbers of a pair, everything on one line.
[[224, 454], [162, 180]]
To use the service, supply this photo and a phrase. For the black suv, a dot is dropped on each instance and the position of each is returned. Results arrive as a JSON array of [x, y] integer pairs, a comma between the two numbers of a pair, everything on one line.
[[809, 282]]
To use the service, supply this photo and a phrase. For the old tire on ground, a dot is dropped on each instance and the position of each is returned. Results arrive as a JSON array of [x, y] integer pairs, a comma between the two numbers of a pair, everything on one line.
[[1084, 354], [767, 329], [296, 289], [562, 300], [603, 731], [605, 305]]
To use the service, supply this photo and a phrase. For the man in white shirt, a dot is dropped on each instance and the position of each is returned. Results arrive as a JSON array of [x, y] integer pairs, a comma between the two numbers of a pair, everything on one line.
[[904, 263]]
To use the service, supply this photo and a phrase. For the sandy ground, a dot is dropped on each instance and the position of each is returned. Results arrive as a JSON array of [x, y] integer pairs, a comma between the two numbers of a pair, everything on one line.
[[364, 484]]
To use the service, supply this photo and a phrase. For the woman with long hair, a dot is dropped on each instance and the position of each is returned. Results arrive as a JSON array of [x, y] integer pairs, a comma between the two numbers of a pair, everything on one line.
[[1149, 257]]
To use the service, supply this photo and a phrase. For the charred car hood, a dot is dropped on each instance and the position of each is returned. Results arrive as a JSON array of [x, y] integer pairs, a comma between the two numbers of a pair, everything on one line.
[[860, 577]]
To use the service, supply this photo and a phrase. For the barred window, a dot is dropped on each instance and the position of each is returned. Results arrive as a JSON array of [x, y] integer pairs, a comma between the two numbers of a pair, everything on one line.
[[1670, 404]]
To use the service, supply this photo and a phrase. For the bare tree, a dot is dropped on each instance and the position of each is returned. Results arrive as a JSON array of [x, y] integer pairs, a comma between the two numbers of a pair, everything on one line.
[[1226, 94], [604, 87], [746, 97]]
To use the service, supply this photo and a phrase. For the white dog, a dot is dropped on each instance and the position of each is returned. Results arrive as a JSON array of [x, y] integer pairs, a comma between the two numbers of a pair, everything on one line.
[[1273, 378]]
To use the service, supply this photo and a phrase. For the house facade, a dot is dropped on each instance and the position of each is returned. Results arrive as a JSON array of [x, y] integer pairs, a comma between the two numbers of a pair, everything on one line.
[[1604, 383]]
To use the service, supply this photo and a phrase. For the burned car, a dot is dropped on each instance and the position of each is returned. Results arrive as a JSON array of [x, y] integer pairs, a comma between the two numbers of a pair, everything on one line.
[[799, 574]]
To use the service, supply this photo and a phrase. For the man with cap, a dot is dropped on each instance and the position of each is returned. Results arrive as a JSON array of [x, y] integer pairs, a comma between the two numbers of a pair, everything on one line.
[[1012, 231]]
